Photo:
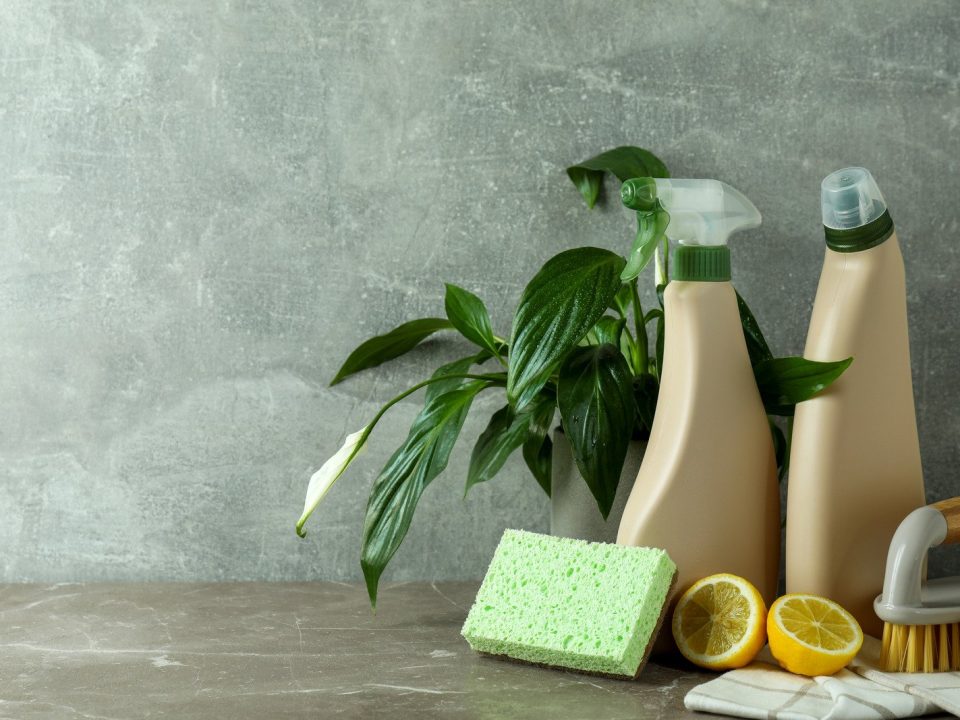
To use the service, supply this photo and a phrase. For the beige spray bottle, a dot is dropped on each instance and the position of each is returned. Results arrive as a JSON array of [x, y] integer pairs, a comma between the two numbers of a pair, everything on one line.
[[855, 460], [707, 490]]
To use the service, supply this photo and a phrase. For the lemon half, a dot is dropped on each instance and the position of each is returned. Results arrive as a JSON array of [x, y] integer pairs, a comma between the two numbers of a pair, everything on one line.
[[719, 623], [811, 635]]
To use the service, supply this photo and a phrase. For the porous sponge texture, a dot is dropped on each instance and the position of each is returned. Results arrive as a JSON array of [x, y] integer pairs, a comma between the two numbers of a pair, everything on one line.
[[556, 601]]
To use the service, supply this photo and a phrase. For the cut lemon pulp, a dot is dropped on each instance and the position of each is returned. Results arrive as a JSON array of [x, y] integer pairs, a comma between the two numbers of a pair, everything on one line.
[[811, 635], [719, 622]]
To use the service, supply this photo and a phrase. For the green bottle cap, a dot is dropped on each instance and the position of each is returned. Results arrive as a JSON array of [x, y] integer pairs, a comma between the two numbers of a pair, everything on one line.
[[860, 238], [701, 263]]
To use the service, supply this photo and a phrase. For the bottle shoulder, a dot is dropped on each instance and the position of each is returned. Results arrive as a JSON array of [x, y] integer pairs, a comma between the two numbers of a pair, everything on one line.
[[860, 302]]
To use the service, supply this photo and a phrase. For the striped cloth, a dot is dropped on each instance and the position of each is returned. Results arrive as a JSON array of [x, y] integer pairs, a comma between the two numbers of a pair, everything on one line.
[[763, 691]]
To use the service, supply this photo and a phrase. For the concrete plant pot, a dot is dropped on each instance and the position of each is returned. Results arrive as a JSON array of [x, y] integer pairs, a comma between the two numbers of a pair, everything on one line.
[[573, 509]]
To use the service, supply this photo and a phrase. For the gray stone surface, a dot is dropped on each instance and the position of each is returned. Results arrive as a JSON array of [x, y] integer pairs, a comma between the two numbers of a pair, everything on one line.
[[285, 650], [205, 205]]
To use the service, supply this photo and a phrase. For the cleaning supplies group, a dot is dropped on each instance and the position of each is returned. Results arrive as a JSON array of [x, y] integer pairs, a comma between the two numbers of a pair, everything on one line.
[[707, 490]]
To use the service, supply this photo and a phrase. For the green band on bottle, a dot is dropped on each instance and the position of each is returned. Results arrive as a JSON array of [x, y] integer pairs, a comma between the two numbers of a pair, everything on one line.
[[861, 238], [701, 263]]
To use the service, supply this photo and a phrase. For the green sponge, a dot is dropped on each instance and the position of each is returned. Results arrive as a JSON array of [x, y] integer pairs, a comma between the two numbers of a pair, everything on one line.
[[592, 607]]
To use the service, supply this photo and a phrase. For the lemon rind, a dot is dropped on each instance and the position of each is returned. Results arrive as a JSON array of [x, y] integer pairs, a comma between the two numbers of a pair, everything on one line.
[[853, 647], [756, 604]]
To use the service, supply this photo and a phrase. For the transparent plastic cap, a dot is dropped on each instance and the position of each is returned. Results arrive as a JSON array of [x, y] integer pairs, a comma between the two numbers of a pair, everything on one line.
[[850, 198], [705, 212]]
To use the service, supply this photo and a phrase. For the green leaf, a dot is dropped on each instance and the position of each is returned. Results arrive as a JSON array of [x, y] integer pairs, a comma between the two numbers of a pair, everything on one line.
[[562, 302], [412, 467], [595, 398], [779, 448], [457, 367], [628, 348], [625, 162], [505, 432], [538, 447], [646, 390], [331, 470], [783, 382], [641, 343], [757, 346], [623, 298], [393, 344], [661, 335], [661, 288], [651, 227], [608, 330], [469, 315], [587, 182]]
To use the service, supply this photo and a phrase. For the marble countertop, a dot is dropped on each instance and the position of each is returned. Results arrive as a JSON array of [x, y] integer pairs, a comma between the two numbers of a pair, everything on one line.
[[284, 650]]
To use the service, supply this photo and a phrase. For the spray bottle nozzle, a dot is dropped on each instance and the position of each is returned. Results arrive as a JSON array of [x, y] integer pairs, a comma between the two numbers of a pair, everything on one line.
[[699, 214], [639, 194]]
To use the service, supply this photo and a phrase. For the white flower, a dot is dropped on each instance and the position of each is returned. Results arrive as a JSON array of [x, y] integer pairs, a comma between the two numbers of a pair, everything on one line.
[[324, 478]]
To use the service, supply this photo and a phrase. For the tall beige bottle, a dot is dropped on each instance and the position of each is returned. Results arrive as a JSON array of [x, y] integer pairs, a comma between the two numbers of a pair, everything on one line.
[[707, 490], [855, 459]]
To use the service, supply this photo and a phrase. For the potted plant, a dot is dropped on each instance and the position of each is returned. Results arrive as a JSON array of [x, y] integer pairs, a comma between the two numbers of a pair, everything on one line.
[[581, 345]]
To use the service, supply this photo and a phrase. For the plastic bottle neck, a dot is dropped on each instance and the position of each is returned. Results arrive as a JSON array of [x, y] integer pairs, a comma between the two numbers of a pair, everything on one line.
[[860, 238], [701, 263]]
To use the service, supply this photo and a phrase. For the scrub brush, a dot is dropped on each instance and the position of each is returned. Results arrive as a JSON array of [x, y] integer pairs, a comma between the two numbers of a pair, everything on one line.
[[921, 631]]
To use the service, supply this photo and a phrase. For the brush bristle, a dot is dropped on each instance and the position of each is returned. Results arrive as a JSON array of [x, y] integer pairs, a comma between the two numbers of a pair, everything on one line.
[[920, 648], [943, 647]]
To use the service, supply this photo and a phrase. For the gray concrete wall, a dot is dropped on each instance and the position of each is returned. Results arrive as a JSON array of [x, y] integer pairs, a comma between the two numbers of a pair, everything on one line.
[[205, 204]]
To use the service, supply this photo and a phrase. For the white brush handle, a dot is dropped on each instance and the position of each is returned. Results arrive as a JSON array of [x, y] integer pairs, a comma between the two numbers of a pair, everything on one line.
[[901, 602]]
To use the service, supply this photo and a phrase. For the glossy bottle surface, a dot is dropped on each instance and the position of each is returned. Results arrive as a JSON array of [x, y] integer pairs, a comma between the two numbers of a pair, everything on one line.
[[855, 460], [707, 490]]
